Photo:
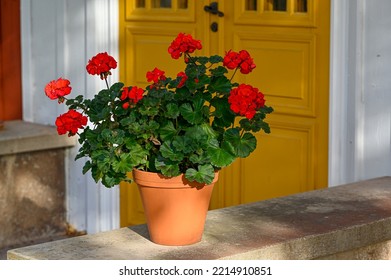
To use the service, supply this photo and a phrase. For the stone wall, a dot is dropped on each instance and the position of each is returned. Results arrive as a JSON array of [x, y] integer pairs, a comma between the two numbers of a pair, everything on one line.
[[32, 184], [345, 222]]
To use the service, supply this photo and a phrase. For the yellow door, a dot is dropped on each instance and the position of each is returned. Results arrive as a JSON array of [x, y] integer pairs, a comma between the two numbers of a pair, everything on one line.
[[289, 41]]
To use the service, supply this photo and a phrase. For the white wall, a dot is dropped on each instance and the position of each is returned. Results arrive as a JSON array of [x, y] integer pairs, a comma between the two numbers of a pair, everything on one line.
[[360, 97], [58, 38]]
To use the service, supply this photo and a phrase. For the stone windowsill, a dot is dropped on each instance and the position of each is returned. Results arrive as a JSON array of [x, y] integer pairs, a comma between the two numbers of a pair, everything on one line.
[[19, 137], [346, 222]]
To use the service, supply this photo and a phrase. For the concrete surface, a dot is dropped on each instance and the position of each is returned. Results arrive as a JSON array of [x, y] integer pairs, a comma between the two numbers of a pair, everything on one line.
[[19, 136], [339, 222]]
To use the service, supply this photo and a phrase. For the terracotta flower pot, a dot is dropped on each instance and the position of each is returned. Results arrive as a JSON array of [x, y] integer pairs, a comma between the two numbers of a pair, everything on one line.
[[175, 209]]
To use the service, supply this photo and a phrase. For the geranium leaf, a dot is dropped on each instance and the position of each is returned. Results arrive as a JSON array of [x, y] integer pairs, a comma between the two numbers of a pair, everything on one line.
[[169, 151], [220, 84], [219, 71], [110, 181], [243, 145], [123, 163], [220, 156], [193, 116], [172, 111], [167, 131], [167, 167], [204, 174], [215, 59], [184, 144]]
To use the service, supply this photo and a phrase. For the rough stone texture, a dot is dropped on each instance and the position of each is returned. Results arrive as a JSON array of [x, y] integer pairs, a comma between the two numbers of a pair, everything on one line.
[[378, 251], [32, 196], [350, 221]]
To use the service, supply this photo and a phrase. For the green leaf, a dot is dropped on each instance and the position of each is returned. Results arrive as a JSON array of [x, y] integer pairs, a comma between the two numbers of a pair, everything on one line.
[[184, 144], [224, 117], [87, 166], [190, 114], [220, 156], [128, 121], [117, 87], [168, 151], [202, 158], [137, 155], [172, 111], [167, 167], [124, 163], [244, 145], [220, 84], [109, 181], [167, 131], [198, 135], [215, 59], [219, 71], [204, 174], [193, 114]]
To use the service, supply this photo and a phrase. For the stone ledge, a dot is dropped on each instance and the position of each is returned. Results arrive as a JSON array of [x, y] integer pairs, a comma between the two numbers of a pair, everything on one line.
[[19, 136], [313, 225]]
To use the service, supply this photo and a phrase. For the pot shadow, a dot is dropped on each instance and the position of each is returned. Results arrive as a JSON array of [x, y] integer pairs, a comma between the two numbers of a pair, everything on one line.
[[141, 230]]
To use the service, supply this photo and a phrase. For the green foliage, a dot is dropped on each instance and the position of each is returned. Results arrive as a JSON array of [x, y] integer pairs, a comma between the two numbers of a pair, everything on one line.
[[171, 130]]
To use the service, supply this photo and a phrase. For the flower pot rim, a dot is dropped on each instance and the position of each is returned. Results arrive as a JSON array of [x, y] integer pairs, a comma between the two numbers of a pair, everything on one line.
[[158, 180]]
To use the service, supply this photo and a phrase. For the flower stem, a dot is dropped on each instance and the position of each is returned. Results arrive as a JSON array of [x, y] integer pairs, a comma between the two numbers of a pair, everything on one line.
[[236, 69], [107, 84]]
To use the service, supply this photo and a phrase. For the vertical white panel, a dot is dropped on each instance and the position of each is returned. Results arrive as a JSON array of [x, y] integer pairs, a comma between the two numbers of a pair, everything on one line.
[[360, 97], [377, 88], [338, 138], [59, 36]]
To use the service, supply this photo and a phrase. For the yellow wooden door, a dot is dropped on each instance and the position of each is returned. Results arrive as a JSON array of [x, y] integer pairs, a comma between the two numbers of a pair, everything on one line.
[[289, 41]]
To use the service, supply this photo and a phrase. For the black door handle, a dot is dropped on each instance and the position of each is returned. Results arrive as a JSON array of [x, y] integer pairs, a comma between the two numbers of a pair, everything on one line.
[[213, 8]]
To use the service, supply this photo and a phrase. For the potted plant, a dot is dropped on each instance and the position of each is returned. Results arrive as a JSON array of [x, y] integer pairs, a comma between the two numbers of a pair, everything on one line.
[[184, 128]]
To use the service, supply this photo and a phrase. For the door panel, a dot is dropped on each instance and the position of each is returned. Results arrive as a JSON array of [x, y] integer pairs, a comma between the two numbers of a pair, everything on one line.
[[289, 41]]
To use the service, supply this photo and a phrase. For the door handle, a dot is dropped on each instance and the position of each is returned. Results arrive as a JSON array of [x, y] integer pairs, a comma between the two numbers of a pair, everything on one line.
[[213, 8]]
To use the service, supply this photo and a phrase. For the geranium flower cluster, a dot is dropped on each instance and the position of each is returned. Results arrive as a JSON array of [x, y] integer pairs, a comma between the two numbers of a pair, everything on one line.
[[101, 64], [241, 60], [155, 76], [131, 96], [245, 100], [184, 43], [70, 122], [57, 89]]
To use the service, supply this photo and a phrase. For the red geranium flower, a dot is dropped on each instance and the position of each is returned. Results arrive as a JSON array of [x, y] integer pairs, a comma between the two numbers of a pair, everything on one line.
[[242, 60], [58, 89], [183, 43], [245, 100], [155, 75], [231, 60], [70, 122], [132, 96], [247, 64], [101, 64]]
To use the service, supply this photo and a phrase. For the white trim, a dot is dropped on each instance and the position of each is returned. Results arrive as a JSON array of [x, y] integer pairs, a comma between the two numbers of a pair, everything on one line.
[[25, 10], [338, 92], [346, 108], [359, 114]]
